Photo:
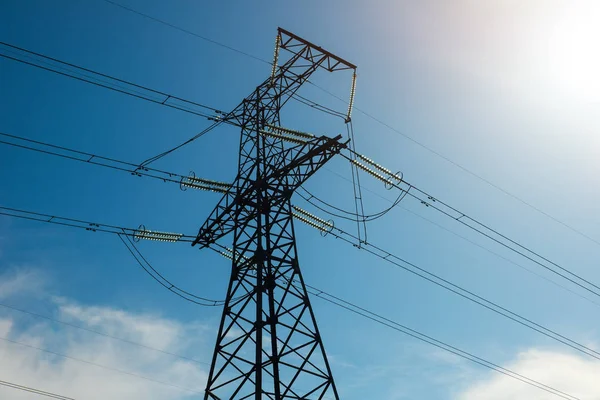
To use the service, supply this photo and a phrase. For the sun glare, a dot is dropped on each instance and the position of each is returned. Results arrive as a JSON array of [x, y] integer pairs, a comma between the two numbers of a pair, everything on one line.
[[570, 57]]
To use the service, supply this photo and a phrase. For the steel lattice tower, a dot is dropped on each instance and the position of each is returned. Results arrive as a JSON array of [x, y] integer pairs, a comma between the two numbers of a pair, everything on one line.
[[268, 344]]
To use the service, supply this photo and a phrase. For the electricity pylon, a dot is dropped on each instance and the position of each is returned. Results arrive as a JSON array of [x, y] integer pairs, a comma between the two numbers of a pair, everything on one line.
[[268, 344]]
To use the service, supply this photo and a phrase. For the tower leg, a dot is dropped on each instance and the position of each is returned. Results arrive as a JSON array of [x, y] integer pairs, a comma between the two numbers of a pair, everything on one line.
[[268, 329]]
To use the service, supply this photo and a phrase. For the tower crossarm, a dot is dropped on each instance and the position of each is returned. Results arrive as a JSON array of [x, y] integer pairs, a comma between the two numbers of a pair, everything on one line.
[[299, 162], [290, 70]]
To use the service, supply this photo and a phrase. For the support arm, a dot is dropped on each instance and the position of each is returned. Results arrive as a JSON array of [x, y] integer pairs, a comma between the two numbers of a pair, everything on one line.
[[299, 163]]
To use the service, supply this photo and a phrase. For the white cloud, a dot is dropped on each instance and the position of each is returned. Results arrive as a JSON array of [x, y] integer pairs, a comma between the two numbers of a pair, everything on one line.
[[572, 374], [44, 371], [5, 327], [144, 329], [21, 281]]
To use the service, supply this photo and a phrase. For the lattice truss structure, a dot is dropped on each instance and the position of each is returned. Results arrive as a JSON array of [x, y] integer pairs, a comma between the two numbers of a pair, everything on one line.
[[268, 344]]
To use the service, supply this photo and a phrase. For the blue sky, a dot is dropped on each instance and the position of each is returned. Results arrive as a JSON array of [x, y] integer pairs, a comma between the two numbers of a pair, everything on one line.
[[506, 89]]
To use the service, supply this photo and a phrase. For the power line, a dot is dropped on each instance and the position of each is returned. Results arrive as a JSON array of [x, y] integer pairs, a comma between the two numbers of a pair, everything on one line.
[[167, 97], [135, 169], [107, 162], [462, 292], [206, 39], [434, 342], [125, 234], [379, 121], [106, 81], [312, 104], [403, 192], [461, 217], [157, 276], [48, 221], [76, 223], [190, 140], [80, 360], [35, 391], [441, 282], [378, 318], [165, 176], [495, 232], [89, 158], [360, 311], [449, 211], [349, 216], [410, 267], [164, 282], [338, 302], [395, 204], [432, 202], [41, 349], [481, 178], [461, 167]]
